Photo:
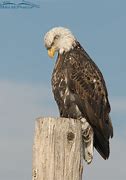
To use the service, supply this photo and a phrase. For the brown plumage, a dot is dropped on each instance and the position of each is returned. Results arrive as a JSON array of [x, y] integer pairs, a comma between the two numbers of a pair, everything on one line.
[[80, 91]]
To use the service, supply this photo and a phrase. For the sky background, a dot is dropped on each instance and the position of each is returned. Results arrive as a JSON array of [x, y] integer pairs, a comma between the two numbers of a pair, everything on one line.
[[25, 73]]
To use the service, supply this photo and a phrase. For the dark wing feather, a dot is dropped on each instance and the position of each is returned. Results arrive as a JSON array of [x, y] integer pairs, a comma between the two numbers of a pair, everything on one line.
[[86, 82]]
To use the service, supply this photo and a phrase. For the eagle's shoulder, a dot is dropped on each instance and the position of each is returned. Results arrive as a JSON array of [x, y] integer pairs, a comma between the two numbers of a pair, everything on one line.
[[83, 69]]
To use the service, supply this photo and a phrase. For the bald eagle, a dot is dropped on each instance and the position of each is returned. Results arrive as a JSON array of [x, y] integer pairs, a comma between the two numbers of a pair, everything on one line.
[[80, 90]]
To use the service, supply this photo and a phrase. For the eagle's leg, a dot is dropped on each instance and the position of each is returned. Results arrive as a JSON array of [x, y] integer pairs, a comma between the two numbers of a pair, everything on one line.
[[87, 141]]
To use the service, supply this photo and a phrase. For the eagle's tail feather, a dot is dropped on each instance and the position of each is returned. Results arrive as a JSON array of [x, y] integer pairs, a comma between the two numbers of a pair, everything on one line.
[[101, 144]]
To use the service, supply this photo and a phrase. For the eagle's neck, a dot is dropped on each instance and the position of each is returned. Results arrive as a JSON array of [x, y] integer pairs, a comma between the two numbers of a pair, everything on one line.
[[59, 62], [62, 57]]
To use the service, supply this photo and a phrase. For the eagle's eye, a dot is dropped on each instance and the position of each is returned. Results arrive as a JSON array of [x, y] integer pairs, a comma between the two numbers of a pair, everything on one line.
[[56, 37]]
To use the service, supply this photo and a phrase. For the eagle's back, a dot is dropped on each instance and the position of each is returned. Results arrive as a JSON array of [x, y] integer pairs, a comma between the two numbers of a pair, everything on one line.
[[80, 91]]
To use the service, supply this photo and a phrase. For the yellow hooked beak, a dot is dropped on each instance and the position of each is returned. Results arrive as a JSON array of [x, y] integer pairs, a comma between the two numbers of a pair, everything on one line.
[[51, 52]]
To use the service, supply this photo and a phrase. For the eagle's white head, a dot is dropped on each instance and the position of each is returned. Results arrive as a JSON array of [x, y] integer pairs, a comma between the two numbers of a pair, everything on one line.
[[59, 39]]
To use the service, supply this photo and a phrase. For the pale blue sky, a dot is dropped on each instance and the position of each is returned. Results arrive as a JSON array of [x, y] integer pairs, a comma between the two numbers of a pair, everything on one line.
[[25, 73]]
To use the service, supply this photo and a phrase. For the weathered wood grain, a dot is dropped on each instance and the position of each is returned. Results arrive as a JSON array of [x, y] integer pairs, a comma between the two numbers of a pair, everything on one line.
[[57, 149]]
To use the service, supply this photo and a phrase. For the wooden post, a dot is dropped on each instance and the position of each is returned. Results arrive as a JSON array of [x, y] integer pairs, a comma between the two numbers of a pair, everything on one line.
[[57, 149]]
